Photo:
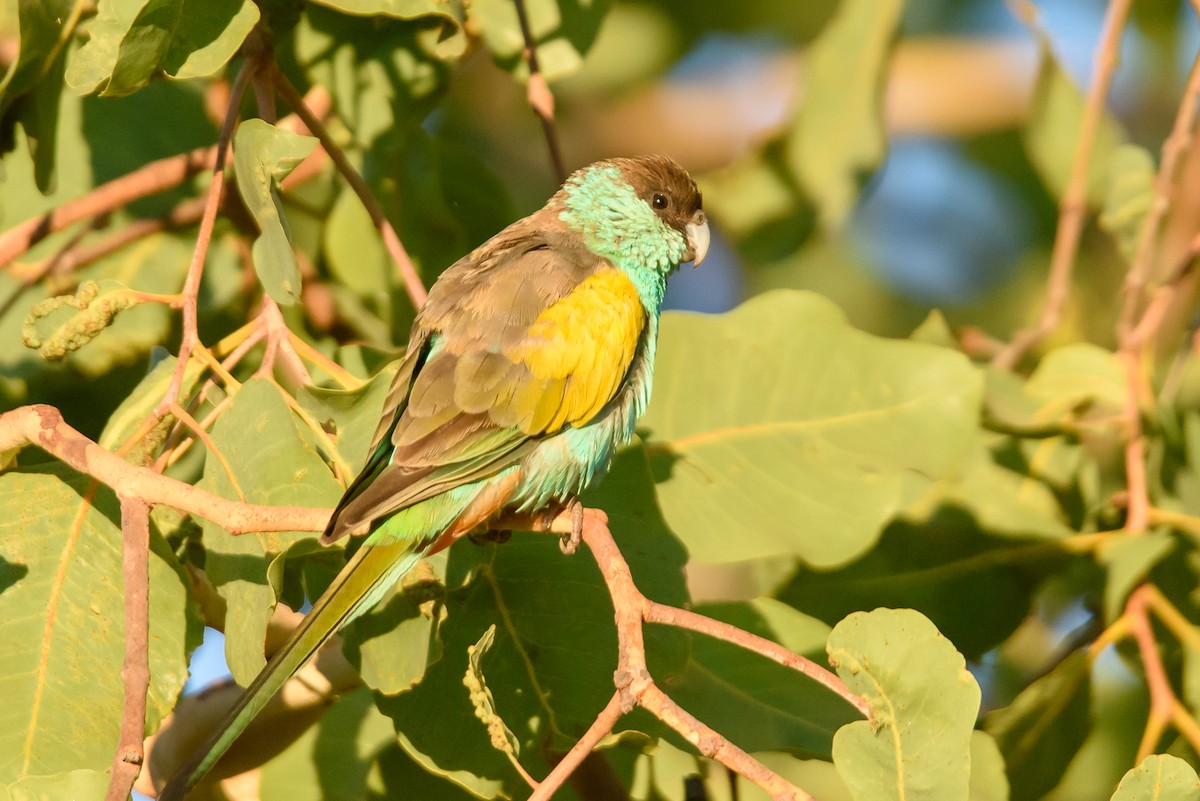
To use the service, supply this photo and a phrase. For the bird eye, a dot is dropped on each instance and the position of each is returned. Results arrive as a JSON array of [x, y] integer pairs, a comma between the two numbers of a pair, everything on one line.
[[660, 201]]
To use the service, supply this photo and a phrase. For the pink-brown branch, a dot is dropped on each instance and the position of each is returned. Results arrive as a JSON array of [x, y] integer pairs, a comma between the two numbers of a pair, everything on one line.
[[44, 427], [135, 567], [408, 271], [1073, 203]]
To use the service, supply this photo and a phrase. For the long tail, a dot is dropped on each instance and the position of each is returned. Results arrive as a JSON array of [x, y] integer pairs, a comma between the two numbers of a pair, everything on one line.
[[360, 584]]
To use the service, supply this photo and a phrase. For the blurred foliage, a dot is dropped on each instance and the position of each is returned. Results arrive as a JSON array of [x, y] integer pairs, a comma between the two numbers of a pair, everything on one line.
[[830, 446]]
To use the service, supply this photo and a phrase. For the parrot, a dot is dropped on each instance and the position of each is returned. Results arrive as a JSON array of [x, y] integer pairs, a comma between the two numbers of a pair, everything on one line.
[[525, 370]]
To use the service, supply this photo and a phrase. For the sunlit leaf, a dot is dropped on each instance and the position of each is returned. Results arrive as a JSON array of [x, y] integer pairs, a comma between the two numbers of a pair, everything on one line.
[[263, 155], [924, 702], [779, 429], [132, 42]]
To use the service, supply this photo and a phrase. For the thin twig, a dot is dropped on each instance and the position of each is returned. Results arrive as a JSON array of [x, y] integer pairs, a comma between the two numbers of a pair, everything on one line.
[[155, 177], [601, 726], [1073, 203], [135, 673], [541, 99], [685, 619], [1165, 706], [44, 427], [635, 686], [1173, 149], [191, 285], [408, 272]]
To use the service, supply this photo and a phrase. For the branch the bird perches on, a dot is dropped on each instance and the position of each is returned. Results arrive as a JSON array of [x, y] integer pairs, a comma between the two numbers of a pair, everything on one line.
[[44, 427]]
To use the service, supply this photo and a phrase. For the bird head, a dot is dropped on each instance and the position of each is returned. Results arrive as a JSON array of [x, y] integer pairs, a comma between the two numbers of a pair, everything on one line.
[[643, 212]]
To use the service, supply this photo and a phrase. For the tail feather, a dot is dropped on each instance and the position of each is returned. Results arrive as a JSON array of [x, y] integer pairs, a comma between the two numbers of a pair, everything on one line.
[[360, 584]]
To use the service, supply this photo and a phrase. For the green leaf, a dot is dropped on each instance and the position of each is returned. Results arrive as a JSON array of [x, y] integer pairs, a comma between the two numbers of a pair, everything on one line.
[[262, 156], [1003, 502], [1044, 727], [353, 414], [550, 670], [1074, 375], [132, 42], [1128, 559], [924, 702], [807, 431], [753, 701], [447, 39], [70, 784], [31, 87], [332, 760], [1130, 194], [988, 780], [1052, 133], [975, 588], [1159, 777], [839, 135], [562, 29], [274, 461], [62, 598]]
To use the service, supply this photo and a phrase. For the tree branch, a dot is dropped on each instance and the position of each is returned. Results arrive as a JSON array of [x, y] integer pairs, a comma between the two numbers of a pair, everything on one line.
[[135, 561], [636, 687], [1073, 203], [408, 272], [44, 426], [539, 95]]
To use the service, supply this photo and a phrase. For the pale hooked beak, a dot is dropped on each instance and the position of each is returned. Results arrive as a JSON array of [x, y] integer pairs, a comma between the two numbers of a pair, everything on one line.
[[698, 238]]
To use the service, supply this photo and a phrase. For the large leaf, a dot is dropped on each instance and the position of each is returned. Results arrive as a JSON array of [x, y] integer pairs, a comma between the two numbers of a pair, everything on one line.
[[62, 600], [924, 702], [1044, 727], [262, 156], [753, 701], [31, 85], [131, 42], [550, 670], [1159, 778], [331, 761], [975, 588], [777, 429], [838, 136], [273, 461]]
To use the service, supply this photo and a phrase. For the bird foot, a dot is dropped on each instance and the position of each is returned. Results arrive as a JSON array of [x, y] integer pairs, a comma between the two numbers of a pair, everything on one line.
[[569, 543]]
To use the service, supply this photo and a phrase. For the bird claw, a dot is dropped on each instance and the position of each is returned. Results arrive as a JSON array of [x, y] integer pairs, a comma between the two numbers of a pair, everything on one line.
[[569, 543]]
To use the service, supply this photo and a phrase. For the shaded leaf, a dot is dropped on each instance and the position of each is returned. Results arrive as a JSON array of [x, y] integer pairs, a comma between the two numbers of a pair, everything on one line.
[[755, 702], [1159, 777], [1040, 732], [353, 414], [262, 156], [273, 461], [1052, 133], [332, 760], [131, 42], [32, 83], [924, 702], [988, 780], [1128, 560], [975, 588], [807, 429], [838, 136], [62, 689], [447, 40]]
